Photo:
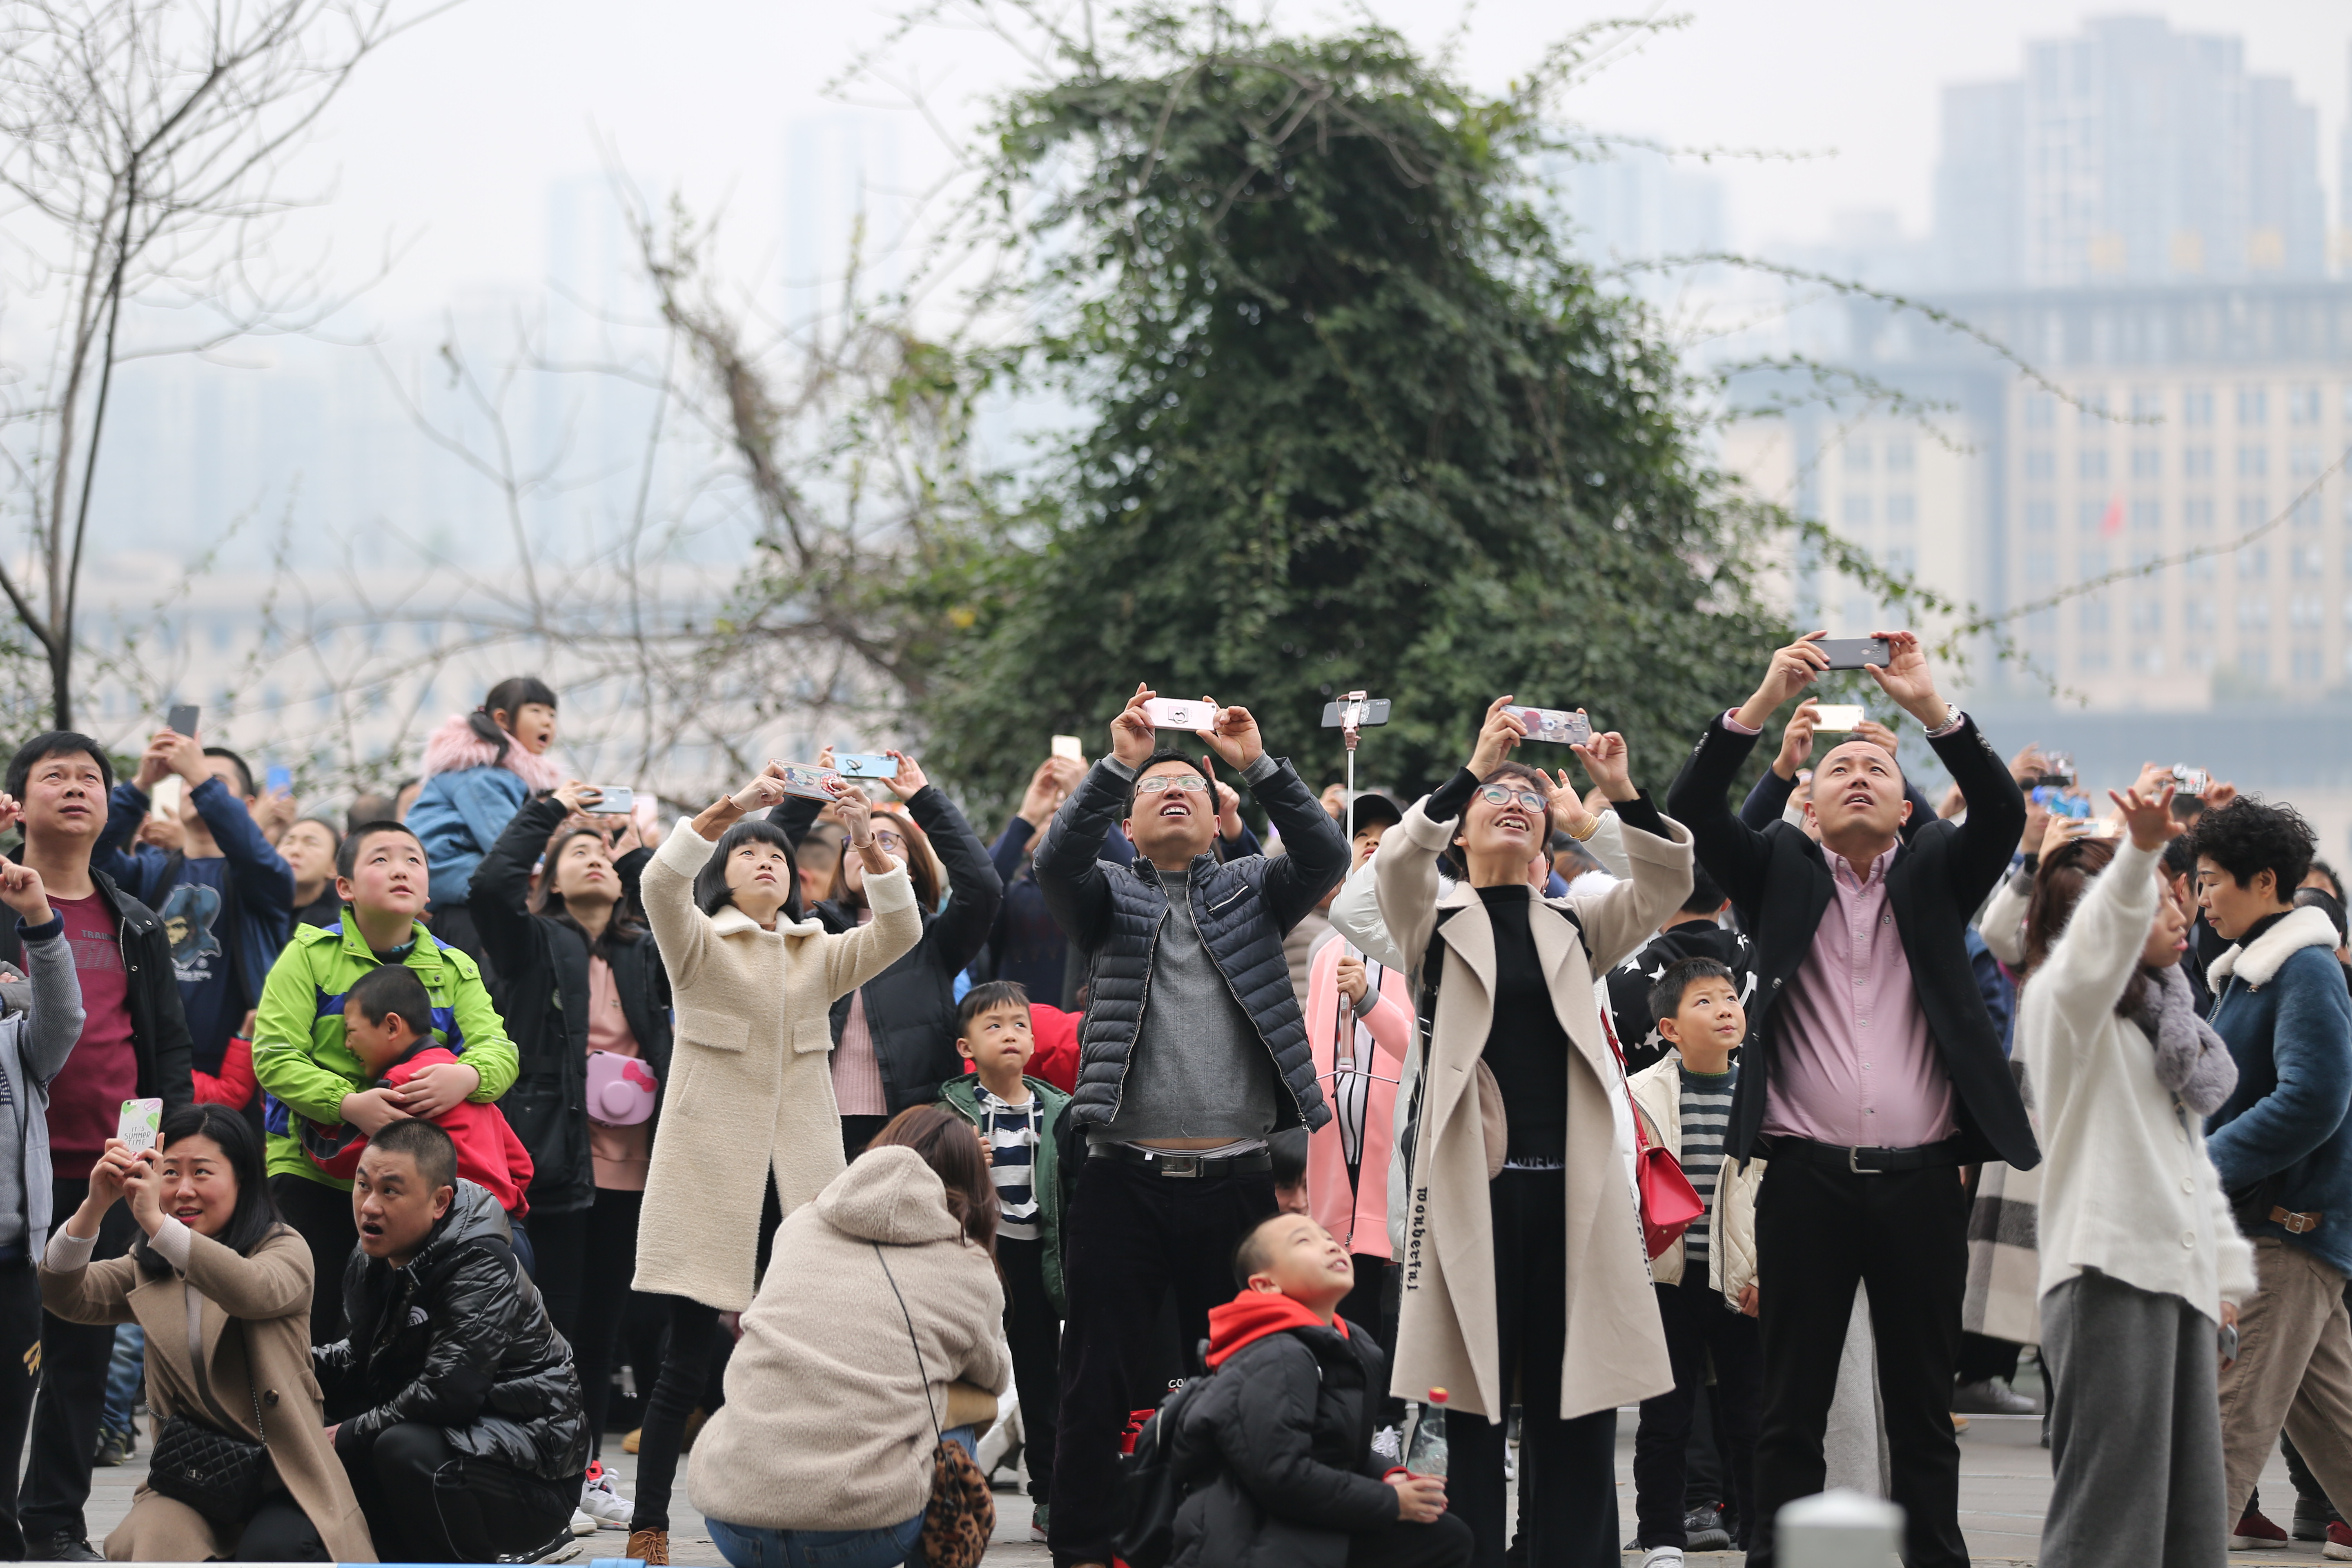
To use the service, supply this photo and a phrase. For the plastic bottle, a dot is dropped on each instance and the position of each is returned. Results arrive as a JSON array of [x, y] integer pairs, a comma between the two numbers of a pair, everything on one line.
[[1427, 1455]]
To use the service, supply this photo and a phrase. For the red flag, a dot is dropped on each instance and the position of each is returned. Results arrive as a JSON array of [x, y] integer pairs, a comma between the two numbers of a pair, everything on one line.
[[2113, 522]]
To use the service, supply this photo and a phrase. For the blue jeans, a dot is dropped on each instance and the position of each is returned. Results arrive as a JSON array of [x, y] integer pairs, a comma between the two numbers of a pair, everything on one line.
[[752, 1546], [124, 1373]]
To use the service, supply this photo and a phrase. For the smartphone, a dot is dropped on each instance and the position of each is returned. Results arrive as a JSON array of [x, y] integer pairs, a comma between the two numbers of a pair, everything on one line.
[[1376, 711], [864, 765], [1556, 725], [2229, 1341], [807, 780], [2190, 781], [1837, 717], [182, 720], [1857, 653], [1069, 746], [142, 1121], [617, 800], [2058, 768], [1175, 714], [278, 781], [2057, 802]]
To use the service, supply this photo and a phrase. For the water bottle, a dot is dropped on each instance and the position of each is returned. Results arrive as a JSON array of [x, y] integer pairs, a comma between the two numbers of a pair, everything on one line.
[[1427, 1455]]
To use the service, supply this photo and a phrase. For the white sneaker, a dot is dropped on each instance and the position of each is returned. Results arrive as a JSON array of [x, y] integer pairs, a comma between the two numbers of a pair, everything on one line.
[[1663, 1557], [582, 1525], [605, 1507]]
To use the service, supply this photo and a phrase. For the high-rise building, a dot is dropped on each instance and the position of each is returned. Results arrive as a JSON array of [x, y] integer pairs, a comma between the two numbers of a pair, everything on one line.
[[2129, 154]]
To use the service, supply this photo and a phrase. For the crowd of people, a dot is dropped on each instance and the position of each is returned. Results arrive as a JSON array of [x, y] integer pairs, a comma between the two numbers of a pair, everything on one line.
[[1406, 1146]]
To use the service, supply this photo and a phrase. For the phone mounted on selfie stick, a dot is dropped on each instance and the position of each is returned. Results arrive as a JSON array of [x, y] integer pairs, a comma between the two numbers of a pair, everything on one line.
[[1349, 716]]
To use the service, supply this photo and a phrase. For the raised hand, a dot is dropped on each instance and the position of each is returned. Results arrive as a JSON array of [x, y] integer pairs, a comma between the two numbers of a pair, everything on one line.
[[21, 890], [577, 796], [1229, 805], [1497, 736], [1797, 738], [1606, 759], [11, 811], [1132, 737], [764, 790], [1236, 737], [1907, 679], [1569, 814], [1878, 735], [1043, 795], [1793, 669], [908, 781], [2148, 817]]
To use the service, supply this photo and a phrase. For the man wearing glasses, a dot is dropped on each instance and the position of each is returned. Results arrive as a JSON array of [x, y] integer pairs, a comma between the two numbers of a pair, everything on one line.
[[1192, 1053]]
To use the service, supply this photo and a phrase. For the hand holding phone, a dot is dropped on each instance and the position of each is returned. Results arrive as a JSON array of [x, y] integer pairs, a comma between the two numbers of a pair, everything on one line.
[[865, 765], [141, 1122], [1175, 714], [182, 720], [1069, 746], [805, 780], [1558, 726], [1840, 718], [1857, 653], [611, 800]]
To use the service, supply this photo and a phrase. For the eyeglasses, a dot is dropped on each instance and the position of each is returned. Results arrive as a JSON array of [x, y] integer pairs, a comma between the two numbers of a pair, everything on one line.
[[1503, 795], [1159, 783], [888, 839]]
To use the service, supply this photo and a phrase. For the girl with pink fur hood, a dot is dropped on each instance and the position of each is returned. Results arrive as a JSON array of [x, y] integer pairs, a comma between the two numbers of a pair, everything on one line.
[[479, 768]]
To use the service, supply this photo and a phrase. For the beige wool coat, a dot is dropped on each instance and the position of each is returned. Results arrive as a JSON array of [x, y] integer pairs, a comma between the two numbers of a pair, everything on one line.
[[268, 1293], [1446, 1337], [751, 1075]]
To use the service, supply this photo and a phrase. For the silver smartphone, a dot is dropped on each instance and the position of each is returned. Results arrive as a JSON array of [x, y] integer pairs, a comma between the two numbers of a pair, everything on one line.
[[1556, 725], [612, 800]]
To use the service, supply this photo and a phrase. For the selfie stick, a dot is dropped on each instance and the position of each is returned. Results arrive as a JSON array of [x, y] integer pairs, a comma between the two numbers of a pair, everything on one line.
[[1351, 729]]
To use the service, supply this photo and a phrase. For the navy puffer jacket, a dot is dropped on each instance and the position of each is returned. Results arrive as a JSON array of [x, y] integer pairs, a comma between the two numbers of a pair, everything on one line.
[[1244, 908]]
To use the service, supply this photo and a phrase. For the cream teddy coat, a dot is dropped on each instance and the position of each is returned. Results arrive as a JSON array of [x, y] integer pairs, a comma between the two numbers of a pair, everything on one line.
[[750, 1077]]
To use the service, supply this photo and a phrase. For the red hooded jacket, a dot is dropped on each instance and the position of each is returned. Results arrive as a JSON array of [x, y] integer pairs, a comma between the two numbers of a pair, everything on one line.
[[1251, 1316], [489, 1153]]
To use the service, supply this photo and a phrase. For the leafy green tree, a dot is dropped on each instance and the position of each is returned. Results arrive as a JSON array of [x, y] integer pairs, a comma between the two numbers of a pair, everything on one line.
[[1355, 420]]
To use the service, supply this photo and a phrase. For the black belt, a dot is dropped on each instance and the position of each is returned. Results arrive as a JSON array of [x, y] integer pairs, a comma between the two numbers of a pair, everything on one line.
[[1862, 1160], [1174, 1162]]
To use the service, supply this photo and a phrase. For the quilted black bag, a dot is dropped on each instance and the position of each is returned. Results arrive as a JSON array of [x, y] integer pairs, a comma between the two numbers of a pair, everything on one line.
[[222, 1475]]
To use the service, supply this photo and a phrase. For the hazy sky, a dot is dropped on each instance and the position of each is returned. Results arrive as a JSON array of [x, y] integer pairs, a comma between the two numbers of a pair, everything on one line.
[[449, 139]]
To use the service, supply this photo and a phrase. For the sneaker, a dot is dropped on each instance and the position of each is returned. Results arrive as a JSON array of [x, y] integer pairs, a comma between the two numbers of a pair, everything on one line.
[[1993, 1397], [114, 1447], [1702, 1530], [604, 1505], [1663, 1557], [650, 1547], [60, 1547], [2254, 1533], [2339, 1543], [580, 1524], [557, 1548], [2312, 1517]]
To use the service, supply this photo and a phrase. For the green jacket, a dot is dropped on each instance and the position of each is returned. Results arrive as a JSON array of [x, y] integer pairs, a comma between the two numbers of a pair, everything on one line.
[[298, 1054], [962, 1095]]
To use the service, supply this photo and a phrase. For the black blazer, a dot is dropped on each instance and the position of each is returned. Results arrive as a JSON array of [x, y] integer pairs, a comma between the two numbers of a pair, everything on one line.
[[1779, 882]]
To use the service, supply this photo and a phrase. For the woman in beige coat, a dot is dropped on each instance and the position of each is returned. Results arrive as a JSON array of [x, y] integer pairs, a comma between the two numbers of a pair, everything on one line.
[[1524, 1268], [750, 1085], [222, 1289]]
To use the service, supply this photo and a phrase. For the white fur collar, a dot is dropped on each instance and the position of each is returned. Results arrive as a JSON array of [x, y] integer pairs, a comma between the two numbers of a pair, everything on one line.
[[2258, 965]]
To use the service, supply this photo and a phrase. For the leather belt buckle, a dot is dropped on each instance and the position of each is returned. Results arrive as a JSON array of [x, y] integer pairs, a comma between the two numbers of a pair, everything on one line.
[[1853, 1162], [1175, 1164], [2296, 1224]]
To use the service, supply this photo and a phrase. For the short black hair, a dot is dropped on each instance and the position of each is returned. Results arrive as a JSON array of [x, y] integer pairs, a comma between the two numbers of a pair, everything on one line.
[[1705, 895], [2327, 903], [347, 853], [2180, 855], [391, 988], [256, 1214], [1666, 994], [711, 893], [986, 995], [423, 1141], [2335, 882], [2250, 836], [1169, 754], [244, 771], [1249, 1253], [56, 743]]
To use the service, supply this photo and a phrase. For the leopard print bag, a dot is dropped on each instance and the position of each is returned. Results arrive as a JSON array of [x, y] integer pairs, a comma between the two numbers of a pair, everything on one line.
[[961, 1514]]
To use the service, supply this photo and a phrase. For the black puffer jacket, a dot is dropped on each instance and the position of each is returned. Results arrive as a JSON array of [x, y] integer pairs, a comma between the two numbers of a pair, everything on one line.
[[458, 1339], [910, 1008], [542, 969], [1244, 908], [1284, 1427]]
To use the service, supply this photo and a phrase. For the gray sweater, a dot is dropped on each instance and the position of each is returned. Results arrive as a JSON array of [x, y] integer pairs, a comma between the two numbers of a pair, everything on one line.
[[1200, 1069], [36, 1033]]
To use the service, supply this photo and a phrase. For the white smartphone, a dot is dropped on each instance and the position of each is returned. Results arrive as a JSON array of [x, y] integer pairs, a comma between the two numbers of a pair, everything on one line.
[[1837, 716], [1558, 726], [1069, 746], [142, 1121], [1174, 713]]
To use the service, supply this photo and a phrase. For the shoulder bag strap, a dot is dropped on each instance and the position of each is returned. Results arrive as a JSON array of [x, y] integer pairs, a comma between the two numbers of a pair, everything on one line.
[[920, 1366]]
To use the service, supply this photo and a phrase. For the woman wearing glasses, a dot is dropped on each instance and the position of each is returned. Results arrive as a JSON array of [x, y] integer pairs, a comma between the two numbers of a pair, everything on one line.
[[894, 1036], [1524, 1268]]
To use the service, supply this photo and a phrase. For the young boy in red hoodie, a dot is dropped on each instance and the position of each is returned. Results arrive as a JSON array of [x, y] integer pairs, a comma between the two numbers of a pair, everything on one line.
[[1286, 1427], [388, 1025]]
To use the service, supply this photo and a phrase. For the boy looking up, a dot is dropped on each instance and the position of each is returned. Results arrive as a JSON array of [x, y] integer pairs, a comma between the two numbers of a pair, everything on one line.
[[1284, 1426], [1020, 1120], [308, 1070], [1706, 1283], [134, 1045]]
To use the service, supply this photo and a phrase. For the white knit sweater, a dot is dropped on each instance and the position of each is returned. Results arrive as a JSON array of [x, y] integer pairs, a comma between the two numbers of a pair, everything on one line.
[[2126, 1187]]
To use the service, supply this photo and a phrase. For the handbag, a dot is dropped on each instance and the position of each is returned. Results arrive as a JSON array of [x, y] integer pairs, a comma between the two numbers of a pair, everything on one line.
[[961, 1514], [621, 1089], [221, 1474], [1669, 1204]]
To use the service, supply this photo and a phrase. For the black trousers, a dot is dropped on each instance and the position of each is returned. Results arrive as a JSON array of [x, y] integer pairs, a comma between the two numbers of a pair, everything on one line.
[[1820, 1232], [594, 1254], [20, 1331], [1130, 1237], [321, 1217], [1372, 1304], [685, 1370], [1697, 1324], [279, 1532], [1567, 1478], [74, 1358], [1446, 1542], [856, 1132], [424, 1503], [1983, 1357], [1033, 1330]]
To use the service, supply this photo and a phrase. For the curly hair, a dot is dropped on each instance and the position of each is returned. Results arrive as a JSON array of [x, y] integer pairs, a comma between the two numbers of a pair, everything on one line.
[[2249, 837]]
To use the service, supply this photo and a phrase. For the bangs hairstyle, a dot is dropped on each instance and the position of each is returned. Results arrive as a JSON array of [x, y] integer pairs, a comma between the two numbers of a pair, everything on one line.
[[507, 697], [1452, 860], [944, 1139], [2059, 885], [1667, 995], [922, 865], [623, 928], [711, 893], [986, 995], [347, 853], [56, 743], [256, 1215]]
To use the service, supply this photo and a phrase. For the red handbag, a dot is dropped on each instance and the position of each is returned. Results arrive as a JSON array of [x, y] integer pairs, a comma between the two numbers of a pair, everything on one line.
[[1670, 1204]]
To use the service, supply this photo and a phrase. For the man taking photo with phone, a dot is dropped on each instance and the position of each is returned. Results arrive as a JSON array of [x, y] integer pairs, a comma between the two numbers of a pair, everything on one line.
[[1193, 1051], [1871, 1072]]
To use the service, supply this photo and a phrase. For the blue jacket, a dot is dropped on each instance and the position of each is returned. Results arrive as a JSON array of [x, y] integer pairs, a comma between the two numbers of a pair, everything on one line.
[[257, 914], [2282, 1005], [457, 816]]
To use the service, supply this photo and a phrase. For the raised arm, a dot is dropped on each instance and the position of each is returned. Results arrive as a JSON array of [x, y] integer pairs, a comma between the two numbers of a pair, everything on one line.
[[56, 1021], [264, 883], [977, 891], [1734, 853], [1355, 913], [2096, 955], [1658, 852], [854, 957], [501, 893]]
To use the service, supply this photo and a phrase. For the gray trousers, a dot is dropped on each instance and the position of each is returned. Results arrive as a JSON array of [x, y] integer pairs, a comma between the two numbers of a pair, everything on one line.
[[2135, 1430]]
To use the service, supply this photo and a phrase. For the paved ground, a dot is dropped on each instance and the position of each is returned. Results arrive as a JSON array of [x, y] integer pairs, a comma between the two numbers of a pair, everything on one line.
[[2004, 1487]]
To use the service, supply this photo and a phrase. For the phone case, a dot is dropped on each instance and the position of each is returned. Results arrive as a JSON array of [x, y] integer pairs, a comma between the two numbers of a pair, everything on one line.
[[1838, 716], [1857, 653], [1376, 711], [612, 800], [807, 780], [142, 1121], [865, 765], [1069, 746], [1557, 726], [1174, 713]]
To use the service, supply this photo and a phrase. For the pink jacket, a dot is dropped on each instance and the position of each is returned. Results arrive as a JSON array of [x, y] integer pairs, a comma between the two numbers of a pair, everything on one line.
[[1359, 1219]]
